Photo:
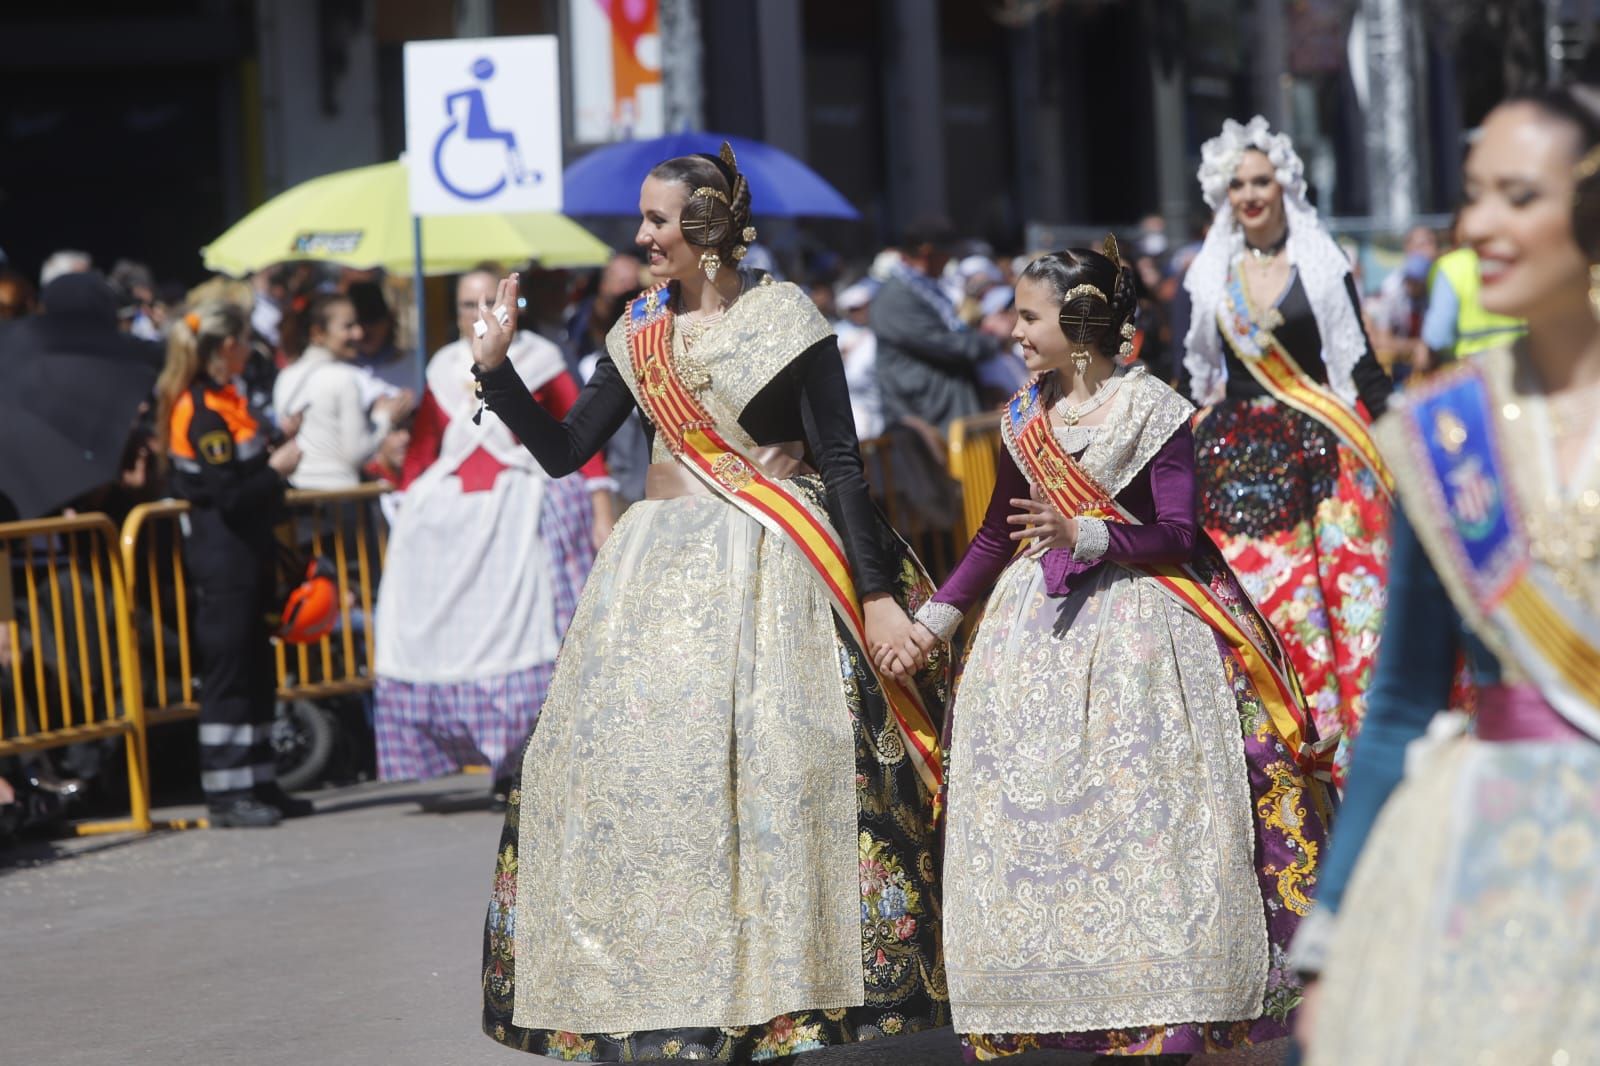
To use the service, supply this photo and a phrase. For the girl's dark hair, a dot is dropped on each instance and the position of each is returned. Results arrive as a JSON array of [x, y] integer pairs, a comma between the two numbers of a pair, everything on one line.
[[1577, 103], [1066, 270], [306, 313], [707, 171]]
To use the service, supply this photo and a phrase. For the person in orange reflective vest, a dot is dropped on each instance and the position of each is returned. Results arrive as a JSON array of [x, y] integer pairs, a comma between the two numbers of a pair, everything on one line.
[[231, 464]]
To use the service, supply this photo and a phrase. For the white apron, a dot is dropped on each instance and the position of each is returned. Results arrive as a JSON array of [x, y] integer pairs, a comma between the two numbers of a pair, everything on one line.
[[466, 589]]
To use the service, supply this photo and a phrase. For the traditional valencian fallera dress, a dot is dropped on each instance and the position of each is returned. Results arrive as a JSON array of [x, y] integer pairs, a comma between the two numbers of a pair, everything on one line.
[[1293, 492], [1470, 928], [1134, 824], [721, 846]]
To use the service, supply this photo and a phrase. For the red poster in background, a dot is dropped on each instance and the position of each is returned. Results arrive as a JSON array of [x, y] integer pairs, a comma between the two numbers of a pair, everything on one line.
[[616, 69], [1317, 32]]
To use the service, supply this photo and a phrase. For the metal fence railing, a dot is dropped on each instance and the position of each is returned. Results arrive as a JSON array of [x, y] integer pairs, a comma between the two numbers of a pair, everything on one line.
[[974, 444], [69, 664], [344, 527], [96, 624]]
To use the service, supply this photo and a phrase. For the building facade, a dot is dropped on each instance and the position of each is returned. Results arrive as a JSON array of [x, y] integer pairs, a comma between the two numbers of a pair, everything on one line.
[[146, 129]]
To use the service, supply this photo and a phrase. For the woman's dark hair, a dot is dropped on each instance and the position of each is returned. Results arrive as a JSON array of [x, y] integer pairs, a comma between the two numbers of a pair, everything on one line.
[[1066, 270], [1577, 103], [306, 313], [707, 171]]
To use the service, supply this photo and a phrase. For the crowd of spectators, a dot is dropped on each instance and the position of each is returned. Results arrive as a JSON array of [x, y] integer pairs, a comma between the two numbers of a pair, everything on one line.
[[924, 328]]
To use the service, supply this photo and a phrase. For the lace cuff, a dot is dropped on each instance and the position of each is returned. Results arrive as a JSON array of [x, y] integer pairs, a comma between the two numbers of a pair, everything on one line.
[[941, 619], [1093, 539], [1308, 952]]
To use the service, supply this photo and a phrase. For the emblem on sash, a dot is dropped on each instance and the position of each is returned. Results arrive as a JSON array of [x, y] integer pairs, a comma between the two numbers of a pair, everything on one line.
[[655, 378], [1474, 498], [1051, 472], [1450, 432], [732, 472]]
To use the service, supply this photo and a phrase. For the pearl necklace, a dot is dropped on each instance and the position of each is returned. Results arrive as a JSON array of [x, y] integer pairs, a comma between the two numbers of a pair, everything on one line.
[[1075, 437], [693, 327], [1071, 414]]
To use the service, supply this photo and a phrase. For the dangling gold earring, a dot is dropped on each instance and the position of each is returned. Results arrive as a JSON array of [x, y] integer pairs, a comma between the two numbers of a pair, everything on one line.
[[1080, 360], [710, 262], [1594, 289]]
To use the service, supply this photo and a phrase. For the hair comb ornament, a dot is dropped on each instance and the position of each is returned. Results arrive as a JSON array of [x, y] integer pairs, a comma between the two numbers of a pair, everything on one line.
[[1085, 314], [1589, 165], [1112, 252], [709, 217], [192, 320]]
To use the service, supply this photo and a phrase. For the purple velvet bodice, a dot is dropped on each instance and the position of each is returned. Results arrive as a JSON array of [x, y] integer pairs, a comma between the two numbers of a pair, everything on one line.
[[1161, 497]]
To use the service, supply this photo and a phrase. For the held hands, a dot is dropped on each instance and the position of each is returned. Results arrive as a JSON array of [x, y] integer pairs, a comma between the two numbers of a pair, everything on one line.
[[1047, 527], [493, 332], [892, 637]]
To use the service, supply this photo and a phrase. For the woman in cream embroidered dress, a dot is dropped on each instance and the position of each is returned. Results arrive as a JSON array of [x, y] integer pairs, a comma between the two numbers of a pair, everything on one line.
[[1469, 929], [1125, 864], [718, 848], [1296, 513]]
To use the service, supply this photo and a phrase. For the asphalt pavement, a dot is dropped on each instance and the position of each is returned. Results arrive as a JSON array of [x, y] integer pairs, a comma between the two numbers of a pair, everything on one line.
[[348, 939]]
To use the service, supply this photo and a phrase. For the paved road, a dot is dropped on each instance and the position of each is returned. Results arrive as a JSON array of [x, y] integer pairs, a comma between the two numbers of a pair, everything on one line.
[[347, 939]]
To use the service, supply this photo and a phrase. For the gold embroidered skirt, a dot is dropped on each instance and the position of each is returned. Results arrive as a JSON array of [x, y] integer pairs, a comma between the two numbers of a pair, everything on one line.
[[1100, 859], [718, 848], [1471, 928]]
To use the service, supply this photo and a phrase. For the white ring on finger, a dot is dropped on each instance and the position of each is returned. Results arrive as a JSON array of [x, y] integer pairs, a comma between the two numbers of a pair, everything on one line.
[[480, 328], [502, 316]]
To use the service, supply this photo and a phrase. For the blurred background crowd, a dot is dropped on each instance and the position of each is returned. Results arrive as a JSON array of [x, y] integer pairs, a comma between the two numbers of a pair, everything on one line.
[[963, 137]]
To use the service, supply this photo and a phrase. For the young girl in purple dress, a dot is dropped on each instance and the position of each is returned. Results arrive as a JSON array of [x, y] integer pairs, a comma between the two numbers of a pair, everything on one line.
[[1133, 829]]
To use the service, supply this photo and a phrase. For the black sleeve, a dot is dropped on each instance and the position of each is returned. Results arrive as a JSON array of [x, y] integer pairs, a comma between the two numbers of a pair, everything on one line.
[[565, 445], [830, 430], [1372, 381], [232, 486]]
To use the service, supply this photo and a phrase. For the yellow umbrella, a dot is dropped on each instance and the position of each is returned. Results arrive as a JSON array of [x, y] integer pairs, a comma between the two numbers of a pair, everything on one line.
[[362, 218]]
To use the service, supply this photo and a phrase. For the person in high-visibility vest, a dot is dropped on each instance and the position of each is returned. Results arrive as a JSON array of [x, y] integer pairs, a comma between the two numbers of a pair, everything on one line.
[[1456, 324], [232, 465]]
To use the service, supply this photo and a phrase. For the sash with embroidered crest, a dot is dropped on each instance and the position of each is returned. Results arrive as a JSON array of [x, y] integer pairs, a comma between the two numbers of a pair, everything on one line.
[[1457, 491], [691, 434], [1253, 341], [1205, 587]]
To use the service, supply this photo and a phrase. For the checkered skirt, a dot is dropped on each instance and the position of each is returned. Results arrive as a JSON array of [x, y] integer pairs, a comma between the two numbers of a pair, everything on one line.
[[428, 730]]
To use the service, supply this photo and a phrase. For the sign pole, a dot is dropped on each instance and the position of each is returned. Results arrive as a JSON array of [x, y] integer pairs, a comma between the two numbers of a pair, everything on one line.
[[420, 296]]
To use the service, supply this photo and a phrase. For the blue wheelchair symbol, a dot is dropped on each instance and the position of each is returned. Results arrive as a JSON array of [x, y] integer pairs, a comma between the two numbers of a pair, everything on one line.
[[469, 117]]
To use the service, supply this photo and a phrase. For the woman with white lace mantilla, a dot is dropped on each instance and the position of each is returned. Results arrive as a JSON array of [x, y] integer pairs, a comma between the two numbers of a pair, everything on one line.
[[1291, 486], [1134, 824], [721, 846]]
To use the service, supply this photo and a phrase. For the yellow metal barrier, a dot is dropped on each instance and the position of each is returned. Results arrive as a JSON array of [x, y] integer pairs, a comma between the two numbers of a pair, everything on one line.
[[347, 529], [974, 444], [343, 527], [68, 657], [908, 480]]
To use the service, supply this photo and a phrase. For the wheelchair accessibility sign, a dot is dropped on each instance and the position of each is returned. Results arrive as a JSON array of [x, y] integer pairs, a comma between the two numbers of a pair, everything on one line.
[[483, 125]]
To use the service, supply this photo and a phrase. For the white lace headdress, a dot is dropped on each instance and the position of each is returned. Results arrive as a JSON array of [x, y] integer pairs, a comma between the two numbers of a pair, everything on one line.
[[1318, 258]]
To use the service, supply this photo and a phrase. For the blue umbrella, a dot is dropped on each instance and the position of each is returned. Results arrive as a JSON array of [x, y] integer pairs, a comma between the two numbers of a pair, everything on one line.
[[606, 181]]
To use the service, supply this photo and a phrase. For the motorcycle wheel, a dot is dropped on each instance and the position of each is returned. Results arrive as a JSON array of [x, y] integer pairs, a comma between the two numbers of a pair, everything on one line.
[[303, 739]]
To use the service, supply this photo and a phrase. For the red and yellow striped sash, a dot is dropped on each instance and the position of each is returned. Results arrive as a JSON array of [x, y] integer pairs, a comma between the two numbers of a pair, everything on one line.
[[1276, 371], [1070, 489], [691, 435]]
